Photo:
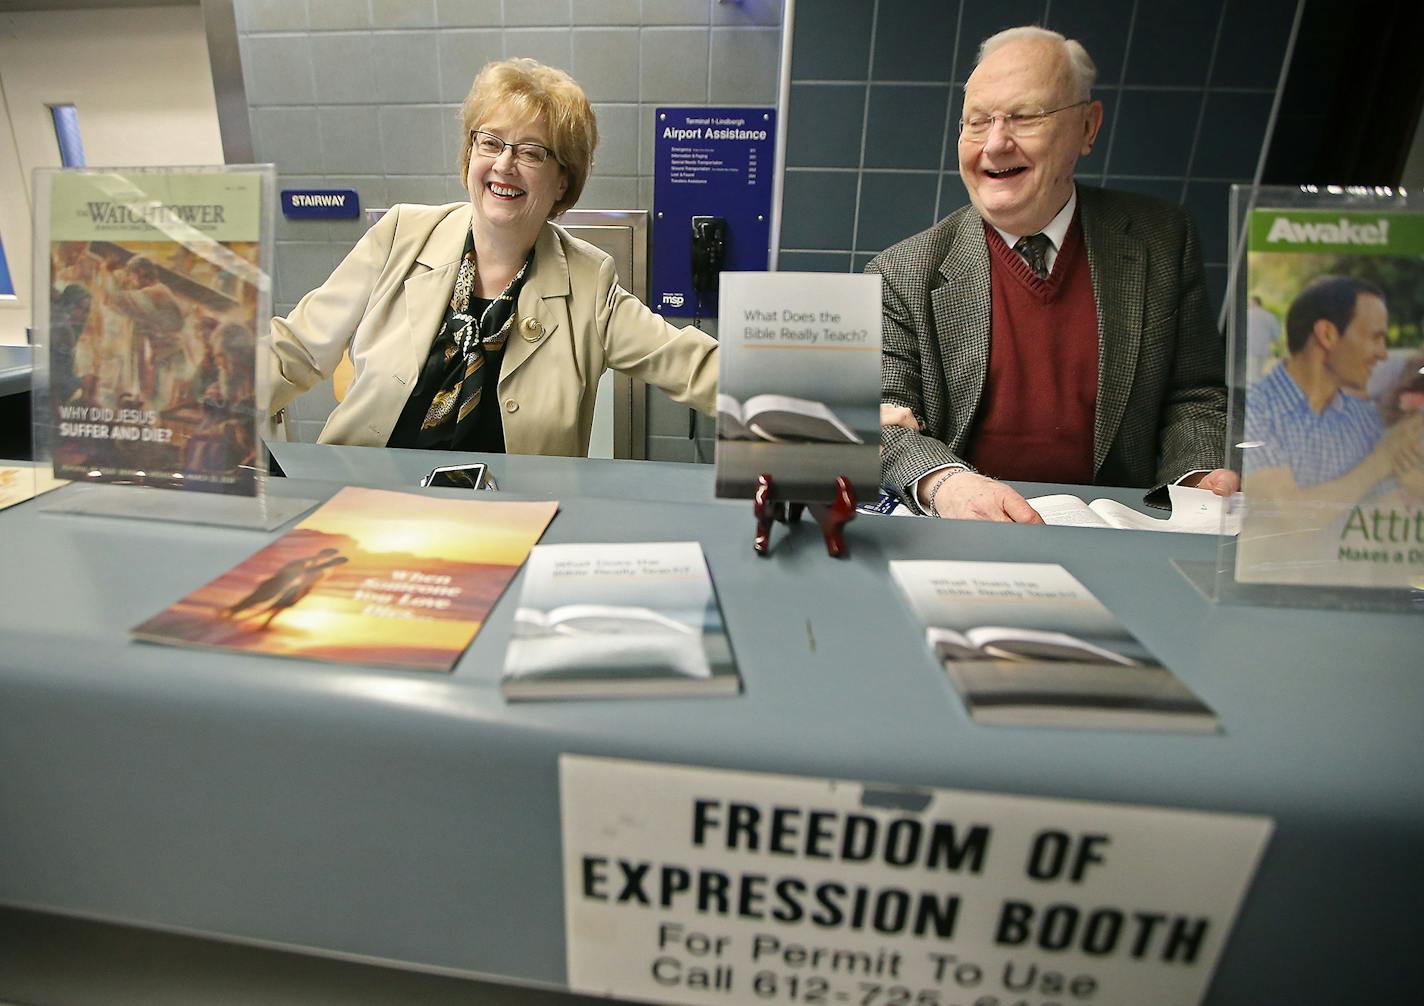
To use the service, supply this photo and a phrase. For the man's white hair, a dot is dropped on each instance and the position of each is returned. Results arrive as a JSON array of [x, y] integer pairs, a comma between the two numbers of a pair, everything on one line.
[[1083, 72]]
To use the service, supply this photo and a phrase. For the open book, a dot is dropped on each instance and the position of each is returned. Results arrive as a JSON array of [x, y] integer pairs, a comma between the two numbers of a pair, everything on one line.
[[999, 642], [1194, 511], [781, 419], [1026, 644]]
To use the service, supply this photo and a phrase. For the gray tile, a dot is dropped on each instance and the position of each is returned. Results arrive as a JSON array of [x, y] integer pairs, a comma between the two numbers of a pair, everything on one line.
[[813, 262], [537, 13], [469, 13], [674, 65], [350, 139], [905, 127], [832, 40], [301, 266], [748, 12], [647, 141], [308, 430], [627, 12], [824, 125], [1233, 132], [1216, 276], [952, 194], [430, 190], [605, 63], [744, 64], [284, 137], [677, 11], [979, 21], [1209, 204], [609, 193], [341, 63], [914, 40], [818, 210], [645, 193], [859, 261], [462, 54], [1171, 42], [892, 207], [1252, 44], [617, 140], [371, 189], [270, 15], [406, 66], [402, 13], [413, 141], [550, 46], [1153, 132], [669, 449], [337, 14], [1101, 25], [1169, 190], [276, 71]]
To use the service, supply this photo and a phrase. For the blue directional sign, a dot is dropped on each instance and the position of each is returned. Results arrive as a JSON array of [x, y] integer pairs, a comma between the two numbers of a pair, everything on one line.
[[325, 203], [709, 162]]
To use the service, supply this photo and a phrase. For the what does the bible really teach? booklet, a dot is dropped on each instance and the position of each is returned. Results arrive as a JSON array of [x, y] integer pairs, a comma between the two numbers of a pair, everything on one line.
[[372, 577], [612, 620], [1026, 644]]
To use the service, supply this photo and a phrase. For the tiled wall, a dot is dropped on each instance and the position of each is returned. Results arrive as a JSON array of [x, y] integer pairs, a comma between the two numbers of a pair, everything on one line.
[[365, 94], [877, 86]]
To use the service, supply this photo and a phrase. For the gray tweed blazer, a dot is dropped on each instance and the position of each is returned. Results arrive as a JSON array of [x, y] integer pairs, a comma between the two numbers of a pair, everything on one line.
[[1161, 409]]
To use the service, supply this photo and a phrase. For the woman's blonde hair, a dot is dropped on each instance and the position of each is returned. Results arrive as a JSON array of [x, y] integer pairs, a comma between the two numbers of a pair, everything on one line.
[[529, 88]]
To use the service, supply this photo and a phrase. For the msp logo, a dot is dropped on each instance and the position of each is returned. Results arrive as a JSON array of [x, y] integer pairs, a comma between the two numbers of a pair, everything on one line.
[[673, 300]]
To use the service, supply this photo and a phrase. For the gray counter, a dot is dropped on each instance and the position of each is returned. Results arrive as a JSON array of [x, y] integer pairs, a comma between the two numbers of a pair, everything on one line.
[[413, 819]]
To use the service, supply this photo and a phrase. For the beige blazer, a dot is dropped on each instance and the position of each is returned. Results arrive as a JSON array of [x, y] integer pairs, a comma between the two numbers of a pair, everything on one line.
[[573, 321]]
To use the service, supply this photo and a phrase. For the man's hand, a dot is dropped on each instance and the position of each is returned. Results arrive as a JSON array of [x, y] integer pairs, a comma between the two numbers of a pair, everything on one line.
[[1222, 481], [898, 415], [971, 496]]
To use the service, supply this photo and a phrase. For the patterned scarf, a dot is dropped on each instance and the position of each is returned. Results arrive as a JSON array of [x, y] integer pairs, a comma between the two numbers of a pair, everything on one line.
[[459, 350]]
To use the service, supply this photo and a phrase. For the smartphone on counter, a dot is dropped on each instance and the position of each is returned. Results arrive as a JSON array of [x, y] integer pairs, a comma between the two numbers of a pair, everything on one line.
[[475, 476]]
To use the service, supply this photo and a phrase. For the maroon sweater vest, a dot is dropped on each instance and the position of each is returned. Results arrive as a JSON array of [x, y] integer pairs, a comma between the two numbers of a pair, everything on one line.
[[1035, 419]]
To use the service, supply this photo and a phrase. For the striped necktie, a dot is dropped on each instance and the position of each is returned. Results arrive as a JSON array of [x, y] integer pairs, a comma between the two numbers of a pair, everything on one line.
[[1034, 249]]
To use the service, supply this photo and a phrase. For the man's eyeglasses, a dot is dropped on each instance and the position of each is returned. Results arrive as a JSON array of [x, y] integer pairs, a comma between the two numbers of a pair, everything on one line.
[[1017, 123], [531, 155]]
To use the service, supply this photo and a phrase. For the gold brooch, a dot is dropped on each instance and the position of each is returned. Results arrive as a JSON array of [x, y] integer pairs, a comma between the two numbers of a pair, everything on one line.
[[532, 331]]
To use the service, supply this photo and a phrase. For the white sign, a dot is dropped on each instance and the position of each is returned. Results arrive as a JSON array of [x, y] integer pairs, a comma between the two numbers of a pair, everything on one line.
[[687, 885]]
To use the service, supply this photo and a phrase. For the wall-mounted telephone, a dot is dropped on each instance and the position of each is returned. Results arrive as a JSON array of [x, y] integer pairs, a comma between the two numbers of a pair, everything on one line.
[[709, 252]]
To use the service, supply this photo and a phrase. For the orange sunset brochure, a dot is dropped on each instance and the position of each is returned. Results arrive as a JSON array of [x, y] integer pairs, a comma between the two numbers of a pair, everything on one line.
[[371, 577]]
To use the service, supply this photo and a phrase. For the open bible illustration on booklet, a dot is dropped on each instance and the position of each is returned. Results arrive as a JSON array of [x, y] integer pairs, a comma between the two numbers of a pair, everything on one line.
[[781, 419], [1194, 511], [610, 621], [798, 385], [1026, 644]]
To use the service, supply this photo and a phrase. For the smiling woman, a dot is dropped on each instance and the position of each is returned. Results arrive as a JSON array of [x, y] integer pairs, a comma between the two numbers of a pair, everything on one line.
[[482, 325]]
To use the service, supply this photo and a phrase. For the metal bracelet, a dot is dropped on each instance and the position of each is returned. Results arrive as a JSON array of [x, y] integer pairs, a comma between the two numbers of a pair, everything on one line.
[[934, 487]]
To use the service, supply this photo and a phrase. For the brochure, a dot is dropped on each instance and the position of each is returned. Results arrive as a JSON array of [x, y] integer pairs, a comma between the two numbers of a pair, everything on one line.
[[153, 281], [799, 387], [615, 620], [1194, 511], [371, 577], [22, 480], [1026, 644], [1333, 449]]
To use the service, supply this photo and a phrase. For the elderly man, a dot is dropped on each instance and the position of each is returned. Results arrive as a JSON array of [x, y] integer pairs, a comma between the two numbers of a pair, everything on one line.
[[1046, 332], [1309, 437]]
